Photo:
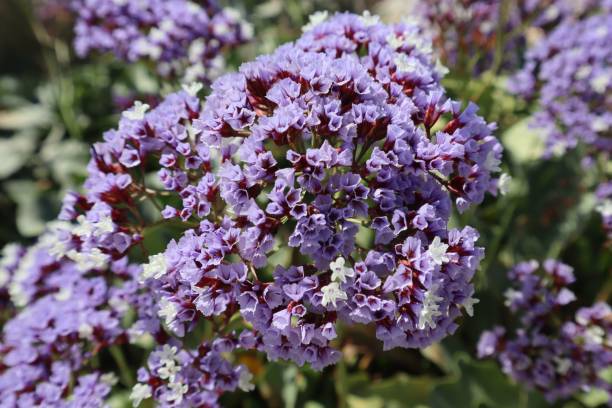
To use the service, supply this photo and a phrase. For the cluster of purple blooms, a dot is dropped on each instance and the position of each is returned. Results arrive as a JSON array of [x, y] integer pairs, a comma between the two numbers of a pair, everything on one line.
[[569, 72], [347, 129], [66, 317], [467, 32], [183, 38], [556, 357]]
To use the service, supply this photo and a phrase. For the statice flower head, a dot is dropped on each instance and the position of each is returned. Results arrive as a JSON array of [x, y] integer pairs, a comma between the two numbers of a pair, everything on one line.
[[64, 317], [473, 36], [175, 376], [569, 74], [346, 129], [182, 38], [551, 351]]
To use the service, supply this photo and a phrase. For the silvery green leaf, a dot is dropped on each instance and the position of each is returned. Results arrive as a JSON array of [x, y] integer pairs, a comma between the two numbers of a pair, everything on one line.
[[16, 151]]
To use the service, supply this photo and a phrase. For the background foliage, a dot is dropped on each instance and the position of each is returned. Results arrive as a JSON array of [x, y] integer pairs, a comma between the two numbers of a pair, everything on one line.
[[53, 106]]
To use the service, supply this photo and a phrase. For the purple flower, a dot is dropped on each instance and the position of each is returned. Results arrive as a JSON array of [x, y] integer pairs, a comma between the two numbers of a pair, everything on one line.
[[551, 351], [181, 37]]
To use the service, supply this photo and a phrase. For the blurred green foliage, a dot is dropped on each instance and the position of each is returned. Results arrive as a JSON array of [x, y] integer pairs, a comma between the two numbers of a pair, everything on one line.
[[53, 106]]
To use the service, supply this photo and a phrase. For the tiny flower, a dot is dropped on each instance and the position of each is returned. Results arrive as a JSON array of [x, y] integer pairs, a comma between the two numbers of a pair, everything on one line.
[[156, 268], [369, 19], [437, 251], [315, 19], [430, 309], [244, 381], [109, 379], [332, 293], [137, 112], [139, 393], [193, 88], [177, 390], [339, 271], [167, 311], [504, 183], [468, 304]]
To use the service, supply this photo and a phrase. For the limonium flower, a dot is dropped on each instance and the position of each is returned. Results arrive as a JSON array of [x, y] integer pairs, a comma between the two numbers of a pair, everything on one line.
[[568, 73], [551, 351], [473, 36], [297, 151], [182, 38]]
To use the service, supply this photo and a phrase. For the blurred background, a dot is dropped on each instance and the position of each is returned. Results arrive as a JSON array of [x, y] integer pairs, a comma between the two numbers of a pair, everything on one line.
[[53, 106]]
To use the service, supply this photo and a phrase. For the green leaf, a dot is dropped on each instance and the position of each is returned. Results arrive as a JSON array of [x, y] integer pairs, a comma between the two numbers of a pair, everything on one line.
[[34, 207], [481, 384], [16, 151], [25, 117], [399, 391]]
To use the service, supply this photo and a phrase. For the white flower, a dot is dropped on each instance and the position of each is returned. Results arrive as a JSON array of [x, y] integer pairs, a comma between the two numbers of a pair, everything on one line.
[[511, 295], [504, 183], [244, 381], [441, 69], [9, 257], [369, 19], [315, 19], [339, 271], [583, 72], [93, 259], [85, 331], [563, 365], [600, 82], [332, 293], [169, 367], [137, 112], [167, 310], [405, 64], [167, 352], [177, 390], [430, 309], [605, 208], [109, 379], [156, 268], [139, 393], [595, 334], [492, 162], [468, 305], [437, 251], [394, 41], [193, 88], [63, 294], [599, 124]]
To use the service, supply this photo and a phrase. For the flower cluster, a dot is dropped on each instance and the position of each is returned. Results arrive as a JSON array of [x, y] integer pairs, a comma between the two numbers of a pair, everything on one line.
[[179, 377], [346, 131], [66, 317], [556, 357], [181, 37], [475, 35], [569, 73], [349, 128]]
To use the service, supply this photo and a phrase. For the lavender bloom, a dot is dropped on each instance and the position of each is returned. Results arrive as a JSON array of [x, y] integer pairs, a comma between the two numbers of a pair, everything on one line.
[[558, 358], [569, 74], [183, 38], [349, 127], [467, 33], [179, 377]]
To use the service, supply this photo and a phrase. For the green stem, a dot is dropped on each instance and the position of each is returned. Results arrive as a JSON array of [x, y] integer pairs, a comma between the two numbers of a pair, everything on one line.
[[125, 373]]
